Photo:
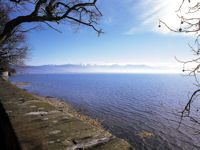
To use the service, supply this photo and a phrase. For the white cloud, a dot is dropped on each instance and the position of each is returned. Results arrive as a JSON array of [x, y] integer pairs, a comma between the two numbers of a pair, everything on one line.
[[131, 31]]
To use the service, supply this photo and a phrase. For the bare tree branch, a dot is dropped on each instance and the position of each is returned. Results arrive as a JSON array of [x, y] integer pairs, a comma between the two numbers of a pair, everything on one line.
[[52, 27], [56, 11], [190, 23]]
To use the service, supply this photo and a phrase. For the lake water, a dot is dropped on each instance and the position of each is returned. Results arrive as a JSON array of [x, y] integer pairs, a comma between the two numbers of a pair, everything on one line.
[[128, 104]]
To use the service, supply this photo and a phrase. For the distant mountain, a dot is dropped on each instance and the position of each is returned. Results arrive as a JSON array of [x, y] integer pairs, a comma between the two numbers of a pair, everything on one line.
[[82, 68]]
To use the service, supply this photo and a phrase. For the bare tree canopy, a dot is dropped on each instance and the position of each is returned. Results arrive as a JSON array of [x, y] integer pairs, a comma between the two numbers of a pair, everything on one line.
[[14, 50], [80, 11]]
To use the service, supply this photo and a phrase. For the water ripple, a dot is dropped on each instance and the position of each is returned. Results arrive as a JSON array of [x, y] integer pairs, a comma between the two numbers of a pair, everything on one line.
[[128, 104]]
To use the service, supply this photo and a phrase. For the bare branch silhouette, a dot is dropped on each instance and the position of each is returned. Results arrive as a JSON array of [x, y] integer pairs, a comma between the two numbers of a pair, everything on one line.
[[82, 12], [189, 24]]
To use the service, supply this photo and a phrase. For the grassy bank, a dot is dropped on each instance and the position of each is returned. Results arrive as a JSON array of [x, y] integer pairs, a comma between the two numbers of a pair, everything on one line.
[[47, 123]]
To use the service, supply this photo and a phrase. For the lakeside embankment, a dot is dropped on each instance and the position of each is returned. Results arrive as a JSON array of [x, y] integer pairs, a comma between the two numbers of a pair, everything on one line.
[[47, 123]]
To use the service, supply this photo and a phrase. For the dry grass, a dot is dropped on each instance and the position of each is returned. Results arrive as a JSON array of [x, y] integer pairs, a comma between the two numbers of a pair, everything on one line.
[[145, 134], [67, 108]]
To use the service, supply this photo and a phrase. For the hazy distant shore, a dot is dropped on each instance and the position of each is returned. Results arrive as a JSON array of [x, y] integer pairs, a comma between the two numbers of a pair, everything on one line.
[[88, 68]]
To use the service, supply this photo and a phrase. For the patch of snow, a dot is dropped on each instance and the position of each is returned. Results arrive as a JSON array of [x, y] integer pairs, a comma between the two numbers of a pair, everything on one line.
[[55, 121], [33, 106], [37, 113], [55, 132], [51, 142], [103, 140], [45, 119]]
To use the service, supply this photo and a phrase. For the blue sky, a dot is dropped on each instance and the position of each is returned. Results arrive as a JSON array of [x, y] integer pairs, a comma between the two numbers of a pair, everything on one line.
[[131, 36]]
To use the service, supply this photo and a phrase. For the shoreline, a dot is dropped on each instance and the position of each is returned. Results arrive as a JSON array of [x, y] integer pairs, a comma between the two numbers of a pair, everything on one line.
[[20, 83], [62, 106], [57, 124], [67, 108]]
